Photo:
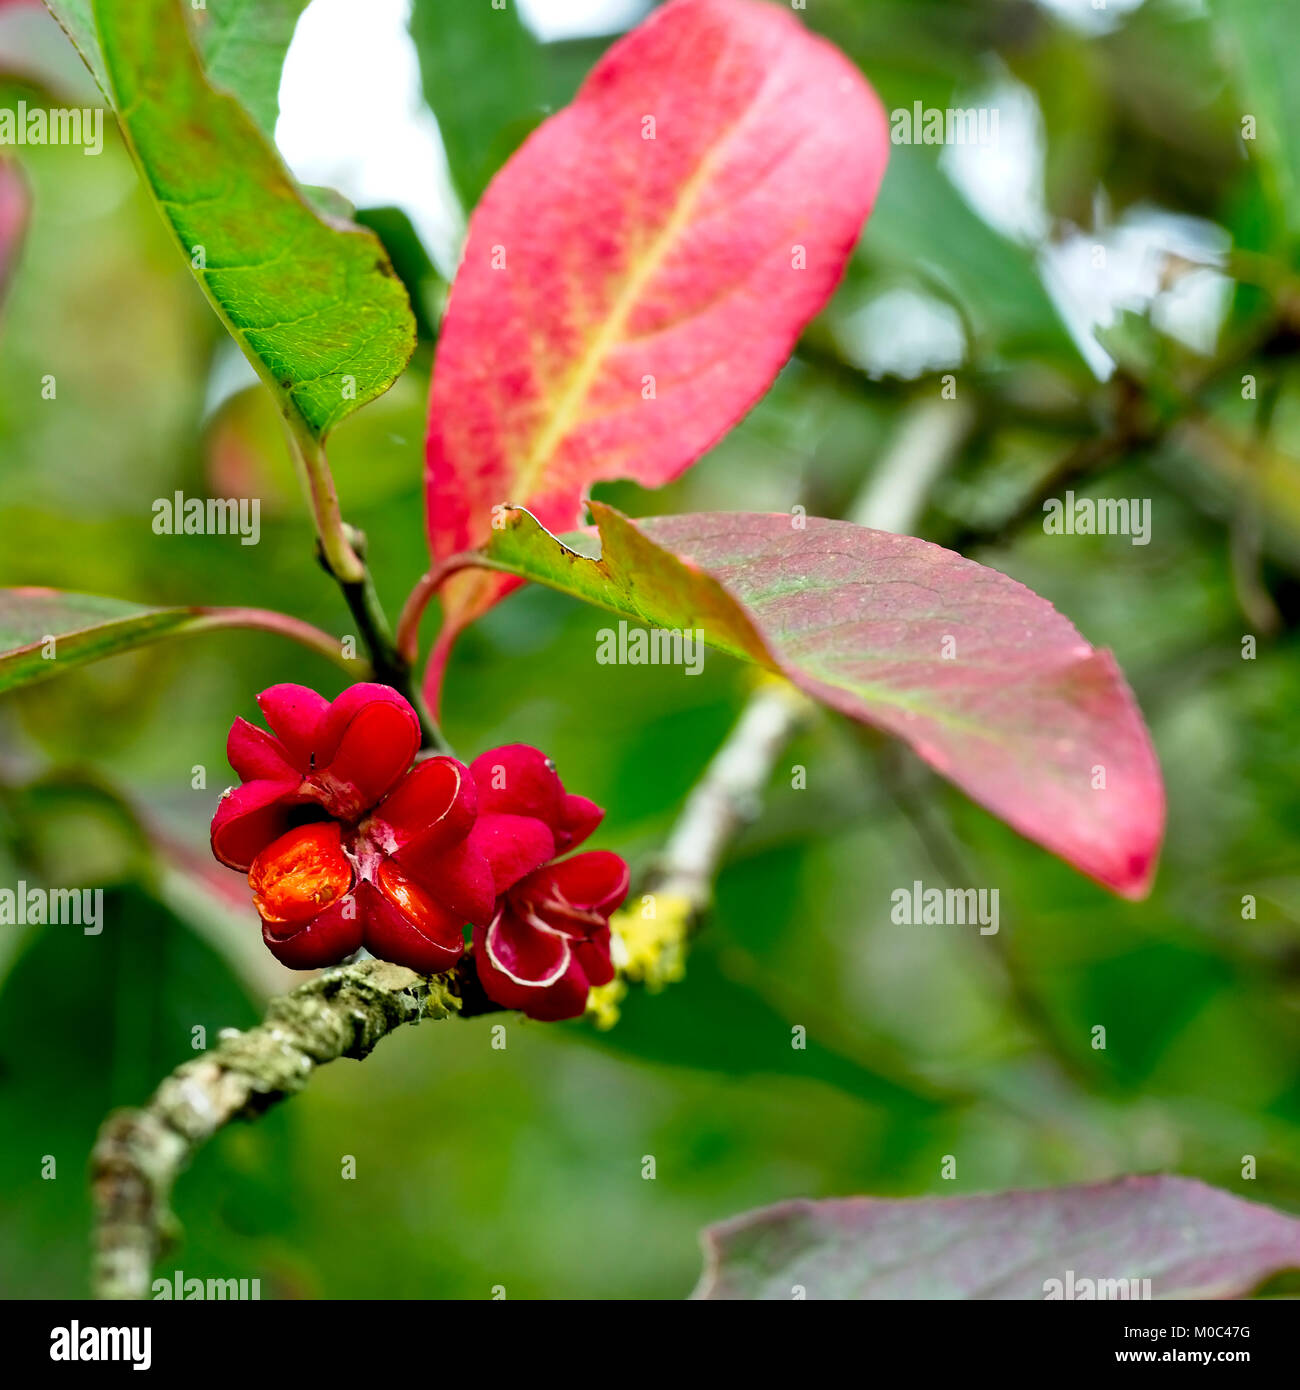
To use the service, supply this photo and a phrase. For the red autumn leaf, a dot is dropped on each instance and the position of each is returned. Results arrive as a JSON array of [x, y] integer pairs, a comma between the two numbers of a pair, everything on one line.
[[982, 678], [640, 270], [14, 204]]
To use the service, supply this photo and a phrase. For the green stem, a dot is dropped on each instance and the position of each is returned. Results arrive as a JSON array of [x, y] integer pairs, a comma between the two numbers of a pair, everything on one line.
[[341, 559], [341, 551], [390, 666]]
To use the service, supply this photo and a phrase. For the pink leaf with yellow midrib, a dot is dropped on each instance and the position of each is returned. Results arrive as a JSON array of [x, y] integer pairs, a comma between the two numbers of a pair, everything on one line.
[[624, 300]]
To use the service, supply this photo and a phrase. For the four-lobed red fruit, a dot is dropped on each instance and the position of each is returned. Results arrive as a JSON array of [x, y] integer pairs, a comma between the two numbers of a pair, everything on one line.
[[334, 760], [346, 845], [548, 941]]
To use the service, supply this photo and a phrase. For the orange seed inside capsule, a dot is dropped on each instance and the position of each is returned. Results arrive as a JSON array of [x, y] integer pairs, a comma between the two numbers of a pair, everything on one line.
[[411, 899], [297, 876]]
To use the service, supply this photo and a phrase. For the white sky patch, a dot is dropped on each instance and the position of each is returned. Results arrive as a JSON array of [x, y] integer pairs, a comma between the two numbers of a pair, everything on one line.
[[1003, 180], [575, 19], [1004, 184], [231, 372], [903, 333], [1193, 309], [1131, 276], [1091, 16], [352, 117]]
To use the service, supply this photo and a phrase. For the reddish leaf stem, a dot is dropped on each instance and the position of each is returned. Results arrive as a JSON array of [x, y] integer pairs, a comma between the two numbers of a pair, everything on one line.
[[408, 622], [264, 620]]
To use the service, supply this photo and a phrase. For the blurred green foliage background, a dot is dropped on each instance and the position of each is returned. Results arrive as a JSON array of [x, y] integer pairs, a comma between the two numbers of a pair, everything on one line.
[[523, 1168]]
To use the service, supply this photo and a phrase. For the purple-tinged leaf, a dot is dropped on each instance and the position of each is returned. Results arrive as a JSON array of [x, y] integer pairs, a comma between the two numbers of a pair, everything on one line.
[[44, 632], [1098, 1241], [982, 678]]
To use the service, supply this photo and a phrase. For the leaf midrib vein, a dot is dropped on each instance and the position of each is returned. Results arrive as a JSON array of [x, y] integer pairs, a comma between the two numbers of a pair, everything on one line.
[[568, 411]]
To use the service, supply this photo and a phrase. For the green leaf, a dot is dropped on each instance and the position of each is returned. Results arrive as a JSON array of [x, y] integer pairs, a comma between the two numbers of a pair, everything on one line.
[[70, 828], [481, 74], [711, 1022], [1189, 1240], [313, 302], [243, 44], [1259, 38], [425, 287], [983, 679], [77, 20], [44, 632]]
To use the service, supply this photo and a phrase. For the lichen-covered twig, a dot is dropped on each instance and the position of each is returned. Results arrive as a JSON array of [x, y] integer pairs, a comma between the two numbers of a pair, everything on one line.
[[342, 1013], [728, 796]]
